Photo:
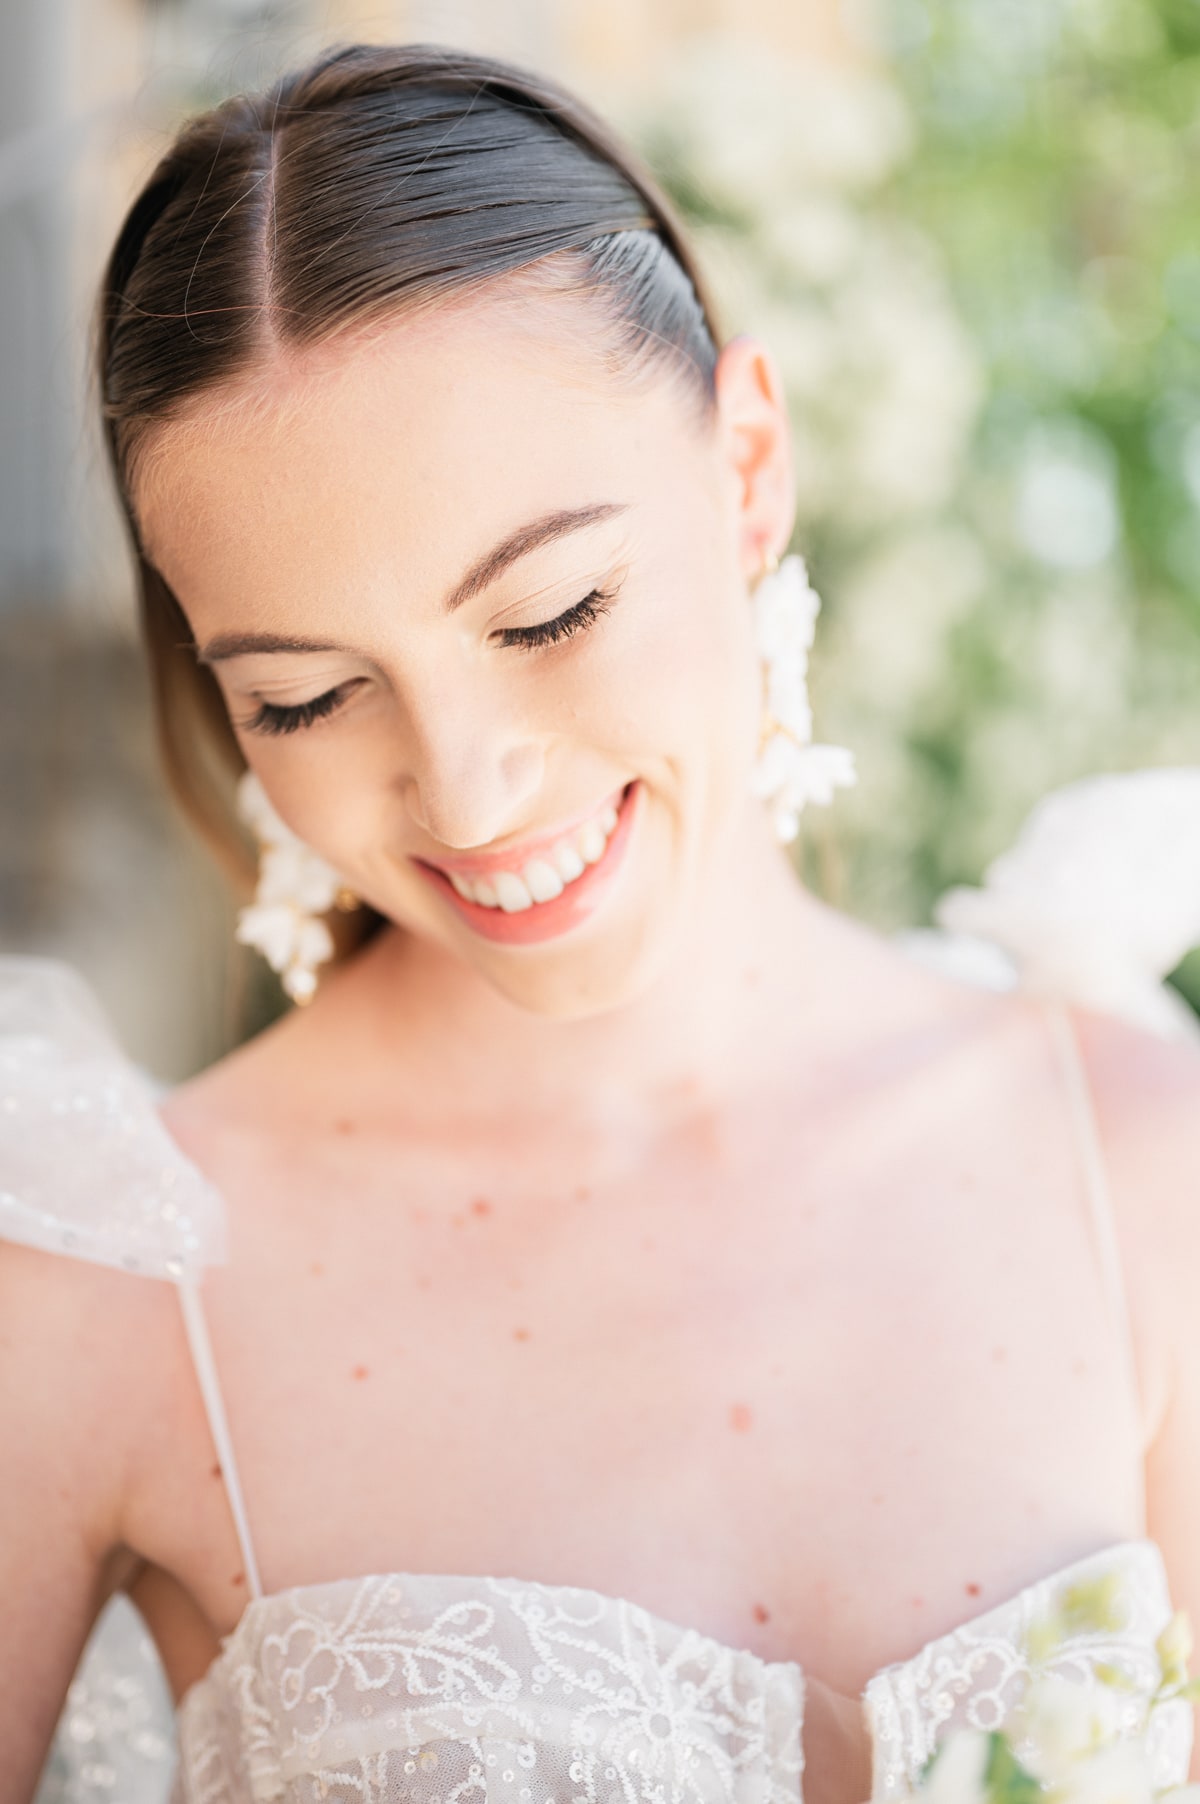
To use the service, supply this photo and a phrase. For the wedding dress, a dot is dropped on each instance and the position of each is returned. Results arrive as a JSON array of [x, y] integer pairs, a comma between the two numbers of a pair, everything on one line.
[[435, 1688]]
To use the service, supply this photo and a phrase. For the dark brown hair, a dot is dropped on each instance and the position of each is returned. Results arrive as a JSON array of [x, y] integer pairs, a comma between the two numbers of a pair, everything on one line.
[[375, 180]]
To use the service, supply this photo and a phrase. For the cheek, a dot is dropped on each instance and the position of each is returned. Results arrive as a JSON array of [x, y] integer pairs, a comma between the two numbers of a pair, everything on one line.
[[326, 786], [685, 679]]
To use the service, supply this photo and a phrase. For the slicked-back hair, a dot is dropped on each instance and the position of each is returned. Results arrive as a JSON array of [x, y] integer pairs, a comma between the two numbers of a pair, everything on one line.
[[376, 180]]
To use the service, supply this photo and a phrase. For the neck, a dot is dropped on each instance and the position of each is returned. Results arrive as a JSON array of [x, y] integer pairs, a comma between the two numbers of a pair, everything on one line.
[[761, 969]]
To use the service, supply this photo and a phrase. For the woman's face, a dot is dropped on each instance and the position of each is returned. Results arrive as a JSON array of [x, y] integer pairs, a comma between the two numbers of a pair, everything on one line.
[[480, 616]]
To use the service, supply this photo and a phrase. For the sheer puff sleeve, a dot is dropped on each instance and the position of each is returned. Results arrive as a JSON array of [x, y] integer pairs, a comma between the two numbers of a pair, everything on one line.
[[86, 1165], [1095, 902]]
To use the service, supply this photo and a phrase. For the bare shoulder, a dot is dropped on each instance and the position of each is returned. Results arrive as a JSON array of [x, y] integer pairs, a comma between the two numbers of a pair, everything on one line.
[[78, 1381], [76, 1366], [260, 1101], [234, 1097], [1146, 1096], [1146, 1092]]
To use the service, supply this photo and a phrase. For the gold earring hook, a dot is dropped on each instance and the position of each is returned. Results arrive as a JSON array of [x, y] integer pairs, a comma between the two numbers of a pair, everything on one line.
[[768, 567]]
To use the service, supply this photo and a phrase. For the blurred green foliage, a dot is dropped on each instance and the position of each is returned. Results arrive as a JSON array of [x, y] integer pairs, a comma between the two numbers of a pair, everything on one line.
[[1055, 168], [979, 268]]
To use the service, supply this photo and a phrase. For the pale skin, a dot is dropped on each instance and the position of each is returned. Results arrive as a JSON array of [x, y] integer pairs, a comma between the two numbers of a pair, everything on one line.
[[713, 1255]]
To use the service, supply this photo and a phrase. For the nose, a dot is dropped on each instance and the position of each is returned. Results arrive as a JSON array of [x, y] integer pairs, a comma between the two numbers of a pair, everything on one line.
[[469, 783]]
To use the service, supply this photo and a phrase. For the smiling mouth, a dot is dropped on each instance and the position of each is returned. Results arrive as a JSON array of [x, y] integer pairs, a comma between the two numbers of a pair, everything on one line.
[[544, 894]]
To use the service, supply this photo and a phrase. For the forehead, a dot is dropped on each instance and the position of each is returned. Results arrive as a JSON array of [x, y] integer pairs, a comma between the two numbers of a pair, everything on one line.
[[433, 429]]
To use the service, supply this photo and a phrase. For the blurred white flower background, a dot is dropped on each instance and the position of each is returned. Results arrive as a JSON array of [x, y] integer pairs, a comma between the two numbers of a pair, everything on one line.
[[963, 256], [968, 232]]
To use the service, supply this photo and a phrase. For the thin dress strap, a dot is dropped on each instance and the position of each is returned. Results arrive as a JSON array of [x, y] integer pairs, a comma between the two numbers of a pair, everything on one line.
[[210, 1390], [1100, 1207]]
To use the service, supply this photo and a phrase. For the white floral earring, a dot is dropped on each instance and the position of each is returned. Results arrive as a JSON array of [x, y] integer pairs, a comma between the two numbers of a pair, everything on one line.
[[789, 770], [295, 887]]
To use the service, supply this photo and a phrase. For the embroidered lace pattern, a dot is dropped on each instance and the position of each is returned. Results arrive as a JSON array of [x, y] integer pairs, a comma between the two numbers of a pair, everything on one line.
[[434, 1689], [430, 1689], [439, 1689], [974, 1675]]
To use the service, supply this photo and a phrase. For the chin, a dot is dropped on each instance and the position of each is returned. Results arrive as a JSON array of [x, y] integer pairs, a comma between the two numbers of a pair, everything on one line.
[[574, 985], [577, 961]]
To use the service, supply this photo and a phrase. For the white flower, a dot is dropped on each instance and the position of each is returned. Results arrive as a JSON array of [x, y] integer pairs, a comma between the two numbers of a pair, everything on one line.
[[789, 771], [295, 887], [271, 930], [792, 775], [821, 770], [1063, 1719], [300, 983], [255, 807], [962, 956], [957, 1774], [292, 873], [1174, 1648], [312, 944], [785, 611], [1100, 896], [1118, 1774]]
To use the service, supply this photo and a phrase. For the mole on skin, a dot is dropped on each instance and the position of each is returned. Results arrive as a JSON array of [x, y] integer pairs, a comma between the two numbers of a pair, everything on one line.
[[520, 1334], [741, 1417], [360, 1372], [761, 1613]]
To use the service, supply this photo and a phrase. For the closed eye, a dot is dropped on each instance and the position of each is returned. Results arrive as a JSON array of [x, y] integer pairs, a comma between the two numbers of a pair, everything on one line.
[[279, 717], [276, 717], [547, 632]]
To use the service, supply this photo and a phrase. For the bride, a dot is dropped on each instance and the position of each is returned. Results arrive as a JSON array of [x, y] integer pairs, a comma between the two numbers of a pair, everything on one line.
[[635, 1333]]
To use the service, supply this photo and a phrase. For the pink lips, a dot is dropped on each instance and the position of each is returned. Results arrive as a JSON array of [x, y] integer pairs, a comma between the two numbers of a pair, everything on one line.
[[545, 920]]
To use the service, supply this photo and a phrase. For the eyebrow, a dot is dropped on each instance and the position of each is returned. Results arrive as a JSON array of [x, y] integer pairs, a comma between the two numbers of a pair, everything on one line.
[[530, 537]]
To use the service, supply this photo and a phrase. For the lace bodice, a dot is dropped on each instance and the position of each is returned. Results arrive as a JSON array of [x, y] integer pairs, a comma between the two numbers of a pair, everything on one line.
[[407, 1688]]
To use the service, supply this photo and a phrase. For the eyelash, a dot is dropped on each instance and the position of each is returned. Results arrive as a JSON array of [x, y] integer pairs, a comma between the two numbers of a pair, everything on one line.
[[548, 632], [274, 717]]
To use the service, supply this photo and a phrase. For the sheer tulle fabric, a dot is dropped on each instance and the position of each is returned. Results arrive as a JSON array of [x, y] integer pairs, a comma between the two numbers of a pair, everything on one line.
[[435, 1688], [430, 1688]]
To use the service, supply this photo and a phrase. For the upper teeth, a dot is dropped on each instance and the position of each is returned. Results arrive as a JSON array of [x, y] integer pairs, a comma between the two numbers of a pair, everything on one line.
[[542, 878]]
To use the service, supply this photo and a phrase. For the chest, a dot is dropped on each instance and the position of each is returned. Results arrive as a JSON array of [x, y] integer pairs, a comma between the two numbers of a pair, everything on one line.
[[818, 1394]]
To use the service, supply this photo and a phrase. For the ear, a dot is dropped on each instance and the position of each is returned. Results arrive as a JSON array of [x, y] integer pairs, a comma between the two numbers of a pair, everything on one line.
[[756, 443]]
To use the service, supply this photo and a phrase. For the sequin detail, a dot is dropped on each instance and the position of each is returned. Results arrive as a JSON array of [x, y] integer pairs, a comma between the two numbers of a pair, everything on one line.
[[973, 1676], [86, 1166], [434, 1689], [486, 1689], [115, 1740], [505, 1691]]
